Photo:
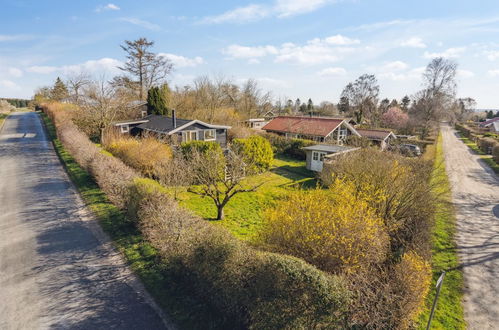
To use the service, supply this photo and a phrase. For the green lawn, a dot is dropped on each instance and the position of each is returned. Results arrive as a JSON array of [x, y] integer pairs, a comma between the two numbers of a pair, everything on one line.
[[243, 214], [449, 312], [486, 158]]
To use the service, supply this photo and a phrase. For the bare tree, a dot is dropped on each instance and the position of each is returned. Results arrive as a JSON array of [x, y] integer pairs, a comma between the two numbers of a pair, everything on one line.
[[177, 173], [102, 105], [362, 96], [219, 177], [76, 81], [146, 68], [435, 100]]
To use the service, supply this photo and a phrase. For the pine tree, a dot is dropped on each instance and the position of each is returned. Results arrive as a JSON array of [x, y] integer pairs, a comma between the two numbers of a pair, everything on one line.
[[405, 103], [59, 91], [310, 105], [157, 100]]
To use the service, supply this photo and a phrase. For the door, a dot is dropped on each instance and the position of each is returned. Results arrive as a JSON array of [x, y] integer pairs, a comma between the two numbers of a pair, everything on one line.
[[317, 161]]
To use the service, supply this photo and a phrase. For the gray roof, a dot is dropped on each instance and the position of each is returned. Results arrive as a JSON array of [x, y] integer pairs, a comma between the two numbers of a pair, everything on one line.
[[327, 148], [163, 124]]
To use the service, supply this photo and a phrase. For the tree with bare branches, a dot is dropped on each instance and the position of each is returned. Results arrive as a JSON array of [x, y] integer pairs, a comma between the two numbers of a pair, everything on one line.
[[76, 82], [219, 177], [146, 69], [362, 96]]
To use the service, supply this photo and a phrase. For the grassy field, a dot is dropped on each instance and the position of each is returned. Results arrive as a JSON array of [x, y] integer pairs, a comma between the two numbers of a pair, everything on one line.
[[487, 159], [243, 213], [449, 312]]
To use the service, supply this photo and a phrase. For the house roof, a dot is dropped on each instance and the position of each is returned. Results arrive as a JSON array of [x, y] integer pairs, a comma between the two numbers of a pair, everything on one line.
[[131, 121], [164, 124], [314, 126], [489, 122], [496, 126], [374, 134], [327, 148]]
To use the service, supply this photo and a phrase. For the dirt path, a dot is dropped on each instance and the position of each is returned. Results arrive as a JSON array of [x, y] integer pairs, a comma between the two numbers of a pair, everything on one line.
[[475, 190], [57, 268]]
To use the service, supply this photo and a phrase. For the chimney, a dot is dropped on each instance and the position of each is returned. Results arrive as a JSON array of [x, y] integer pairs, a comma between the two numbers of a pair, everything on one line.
[[174, 119]]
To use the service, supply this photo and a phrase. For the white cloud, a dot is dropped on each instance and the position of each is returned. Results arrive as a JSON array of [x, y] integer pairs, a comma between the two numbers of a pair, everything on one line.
[[109, 6], [145, 24], [494, 73], [9, 85], [401, 74], [103, 65], [448, 53], [414, 42], [15, 72], [311, 53], [238, 51], [465, 74], [255, 12], [492, 55], [341, 40], [333, 71], [394, 66], [273, 82], [15, 37], [182, 61], [42, 69]]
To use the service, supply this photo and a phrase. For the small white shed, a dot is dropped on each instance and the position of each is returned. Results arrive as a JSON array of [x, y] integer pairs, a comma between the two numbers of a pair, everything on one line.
[[317, 153]]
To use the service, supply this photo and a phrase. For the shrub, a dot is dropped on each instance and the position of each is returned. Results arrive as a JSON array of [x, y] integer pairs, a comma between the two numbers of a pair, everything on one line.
[[390, 297], [487, 144], [358, 141], [334, 229], [240, 132], [406, 201], [199, 146], [256, 151], [495, 153], [288, 147], [144, 155]]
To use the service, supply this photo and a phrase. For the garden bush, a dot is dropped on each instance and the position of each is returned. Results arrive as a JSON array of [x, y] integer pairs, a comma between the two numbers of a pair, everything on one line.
[[289, 147], [145, 155], [256, 151], [487, 144], [199, 146], [495, 153], [334, 229]]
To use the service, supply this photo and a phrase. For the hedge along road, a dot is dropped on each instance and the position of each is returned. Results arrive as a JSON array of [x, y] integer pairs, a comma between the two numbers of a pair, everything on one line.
[[475, 191], [57, 268]]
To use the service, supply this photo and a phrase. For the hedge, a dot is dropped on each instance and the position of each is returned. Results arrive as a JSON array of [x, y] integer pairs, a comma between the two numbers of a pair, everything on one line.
[[256, 151], [288, 147]]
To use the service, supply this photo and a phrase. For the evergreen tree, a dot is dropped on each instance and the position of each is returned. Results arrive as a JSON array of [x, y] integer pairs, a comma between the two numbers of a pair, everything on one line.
[[405, 103], [344, 105], [157, 100], [490, 114], [59, 91], [310, 105]]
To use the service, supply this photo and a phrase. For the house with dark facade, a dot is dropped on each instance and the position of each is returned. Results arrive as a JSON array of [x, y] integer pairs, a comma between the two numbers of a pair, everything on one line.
[[381, 138], [177, 130], [319, 129]]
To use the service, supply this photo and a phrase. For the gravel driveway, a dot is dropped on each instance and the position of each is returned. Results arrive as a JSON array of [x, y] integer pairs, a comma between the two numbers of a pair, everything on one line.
[[57, 269], [475, 190]]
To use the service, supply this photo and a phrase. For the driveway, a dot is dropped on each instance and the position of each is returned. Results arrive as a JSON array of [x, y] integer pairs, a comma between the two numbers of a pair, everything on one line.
[[475, 190], [57, 269]]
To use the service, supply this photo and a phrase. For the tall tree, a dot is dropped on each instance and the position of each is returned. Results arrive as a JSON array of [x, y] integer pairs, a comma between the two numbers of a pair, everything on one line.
[[145, 67], [76, 81], [157, 100], [344, 105], [362, 95], [59, 91], [405, 102], [435, 101], [310, 106]]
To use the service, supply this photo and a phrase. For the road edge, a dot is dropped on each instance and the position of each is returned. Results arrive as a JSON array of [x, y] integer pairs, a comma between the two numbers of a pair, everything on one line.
[[91, 220]]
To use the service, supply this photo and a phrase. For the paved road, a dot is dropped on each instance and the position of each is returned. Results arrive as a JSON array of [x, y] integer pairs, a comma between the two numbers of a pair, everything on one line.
[[57, 269], [475, 191]]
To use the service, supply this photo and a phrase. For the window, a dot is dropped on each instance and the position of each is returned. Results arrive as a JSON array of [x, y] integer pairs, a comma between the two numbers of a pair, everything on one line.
[[315, 155], [125, 128], [210, 134], [189, 136], [318, 156], [342, 133]]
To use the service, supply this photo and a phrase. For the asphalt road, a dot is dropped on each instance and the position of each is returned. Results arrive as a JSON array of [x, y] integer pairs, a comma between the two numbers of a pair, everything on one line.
[[57, 269], [475, 190]]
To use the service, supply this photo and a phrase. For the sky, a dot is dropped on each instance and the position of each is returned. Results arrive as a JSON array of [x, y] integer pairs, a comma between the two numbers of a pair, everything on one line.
[[293, 48]]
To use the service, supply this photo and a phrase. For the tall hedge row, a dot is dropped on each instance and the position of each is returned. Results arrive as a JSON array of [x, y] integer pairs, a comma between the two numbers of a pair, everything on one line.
[[244, 287]]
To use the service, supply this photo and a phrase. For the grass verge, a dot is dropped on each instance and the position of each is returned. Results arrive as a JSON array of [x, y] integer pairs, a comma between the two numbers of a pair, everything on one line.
[[449, 312], [185, 311], [2, 119], [487, 159]]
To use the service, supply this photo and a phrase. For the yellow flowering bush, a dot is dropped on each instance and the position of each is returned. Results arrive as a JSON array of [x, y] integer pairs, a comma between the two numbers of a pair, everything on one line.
[[334, 229]]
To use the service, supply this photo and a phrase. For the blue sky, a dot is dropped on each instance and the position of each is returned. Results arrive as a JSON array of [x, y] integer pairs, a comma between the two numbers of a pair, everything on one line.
[[294, 48]]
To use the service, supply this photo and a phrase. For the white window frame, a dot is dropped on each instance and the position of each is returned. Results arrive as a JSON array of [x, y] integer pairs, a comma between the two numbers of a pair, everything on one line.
[[125, 128], [186, 133], [342, 133], [214, 134], [318, 156]]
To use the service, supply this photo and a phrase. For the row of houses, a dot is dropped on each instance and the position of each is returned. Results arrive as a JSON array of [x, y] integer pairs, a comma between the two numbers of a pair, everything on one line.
[[329, 133]]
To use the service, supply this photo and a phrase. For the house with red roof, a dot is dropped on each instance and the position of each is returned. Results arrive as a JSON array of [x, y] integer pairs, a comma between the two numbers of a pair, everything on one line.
[[319, 129], [378, 137]]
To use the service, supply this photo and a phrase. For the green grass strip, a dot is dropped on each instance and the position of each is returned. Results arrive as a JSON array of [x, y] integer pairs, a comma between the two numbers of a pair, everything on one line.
[[449, 311]]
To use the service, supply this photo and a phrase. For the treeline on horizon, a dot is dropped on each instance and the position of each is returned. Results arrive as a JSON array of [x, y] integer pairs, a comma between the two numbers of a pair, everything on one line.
[[18, 103]]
